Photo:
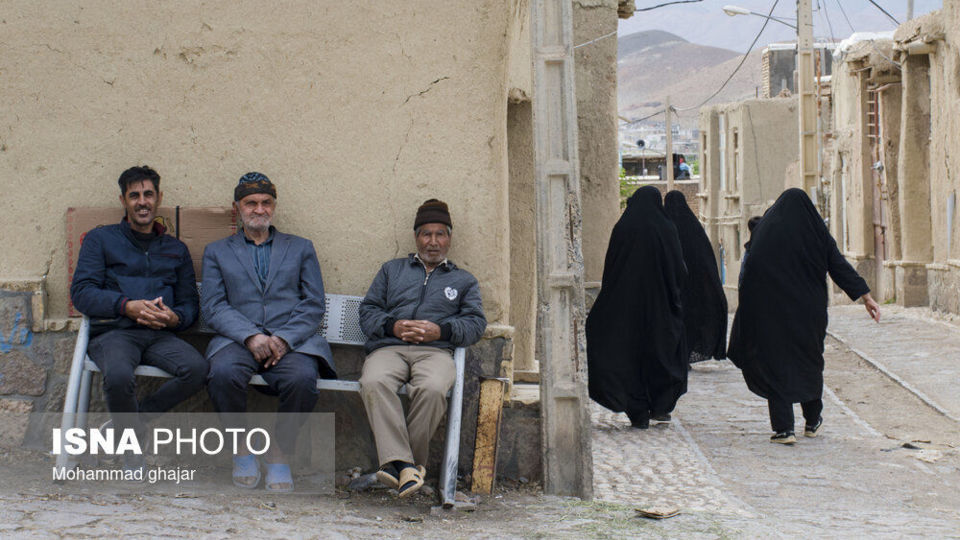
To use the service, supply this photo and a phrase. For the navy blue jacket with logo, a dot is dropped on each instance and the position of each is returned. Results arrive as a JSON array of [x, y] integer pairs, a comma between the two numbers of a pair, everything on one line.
[[448, 297], [113, 269]]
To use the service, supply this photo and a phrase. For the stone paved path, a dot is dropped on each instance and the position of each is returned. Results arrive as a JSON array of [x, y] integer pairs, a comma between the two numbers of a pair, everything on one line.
[[716, 460]]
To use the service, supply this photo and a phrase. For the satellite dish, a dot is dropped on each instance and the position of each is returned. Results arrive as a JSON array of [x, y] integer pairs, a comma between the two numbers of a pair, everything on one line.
[[641, 143]]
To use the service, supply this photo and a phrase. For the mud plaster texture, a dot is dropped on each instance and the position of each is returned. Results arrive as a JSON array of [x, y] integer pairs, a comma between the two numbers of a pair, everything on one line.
[[358, 113]]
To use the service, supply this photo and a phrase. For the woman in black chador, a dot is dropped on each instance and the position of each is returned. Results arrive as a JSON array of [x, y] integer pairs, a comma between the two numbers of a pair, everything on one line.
[[704, 304], [778, 331], [635, 340]]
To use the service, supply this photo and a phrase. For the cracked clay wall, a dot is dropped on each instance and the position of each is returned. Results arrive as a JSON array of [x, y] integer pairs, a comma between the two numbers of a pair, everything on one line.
[[357, 111]]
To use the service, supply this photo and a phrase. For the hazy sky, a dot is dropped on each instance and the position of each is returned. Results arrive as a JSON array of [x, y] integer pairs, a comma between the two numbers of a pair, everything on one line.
[[705, 23]]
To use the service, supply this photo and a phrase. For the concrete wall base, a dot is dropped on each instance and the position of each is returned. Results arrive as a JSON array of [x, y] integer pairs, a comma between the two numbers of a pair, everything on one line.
[[911, 285], [943, 286]]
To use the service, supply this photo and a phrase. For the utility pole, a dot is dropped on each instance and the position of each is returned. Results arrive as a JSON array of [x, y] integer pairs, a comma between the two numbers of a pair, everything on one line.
[[561, 344], [668, 165], [909, 9], [808, 100]]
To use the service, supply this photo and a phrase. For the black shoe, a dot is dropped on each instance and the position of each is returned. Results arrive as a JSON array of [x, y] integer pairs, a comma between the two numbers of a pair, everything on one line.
[[783, 437], [661, 417], [811, 431], [640, 424]]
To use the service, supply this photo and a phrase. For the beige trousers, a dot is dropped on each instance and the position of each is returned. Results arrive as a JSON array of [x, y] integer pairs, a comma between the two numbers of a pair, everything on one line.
[[429, 374]]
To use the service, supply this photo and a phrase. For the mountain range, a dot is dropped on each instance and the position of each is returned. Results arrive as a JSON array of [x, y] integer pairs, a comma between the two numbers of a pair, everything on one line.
[[654, 64]]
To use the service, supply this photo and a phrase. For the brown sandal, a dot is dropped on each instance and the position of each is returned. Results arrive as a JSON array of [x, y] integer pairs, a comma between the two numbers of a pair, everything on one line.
[[412, 476]]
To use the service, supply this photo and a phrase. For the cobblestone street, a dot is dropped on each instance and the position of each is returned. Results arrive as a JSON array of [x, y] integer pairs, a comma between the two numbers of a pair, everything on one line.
[[856, 480]]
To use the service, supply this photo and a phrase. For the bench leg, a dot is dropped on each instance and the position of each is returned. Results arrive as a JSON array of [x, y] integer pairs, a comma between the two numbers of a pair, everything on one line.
[[69, 419], [451, 456], [83, 401]]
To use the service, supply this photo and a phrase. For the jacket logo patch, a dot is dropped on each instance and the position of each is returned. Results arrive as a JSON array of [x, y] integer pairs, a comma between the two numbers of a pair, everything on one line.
[[450, 293]]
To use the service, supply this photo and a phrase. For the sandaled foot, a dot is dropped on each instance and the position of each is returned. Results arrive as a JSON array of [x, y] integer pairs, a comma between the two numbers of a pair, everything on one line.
[[246, 472], [411, 479], [388, 476], [279, 479]]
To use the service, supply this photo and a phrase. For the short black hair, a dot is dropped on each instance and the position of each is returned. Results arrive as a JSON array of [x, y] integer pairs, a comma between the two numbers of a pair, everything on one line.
[[752, 223], [138, 174]]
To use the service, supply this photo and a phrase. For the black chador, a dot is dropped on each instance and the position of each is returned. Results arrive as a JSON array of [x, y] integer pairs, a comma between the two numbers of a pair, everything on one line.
[[781, 320], [704, 304], [635, 339]]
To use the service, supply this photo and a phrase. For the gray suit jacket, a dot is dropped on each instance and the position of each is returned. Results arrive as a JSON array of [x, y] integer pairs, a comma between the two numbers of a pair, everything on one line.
[[290, 306]]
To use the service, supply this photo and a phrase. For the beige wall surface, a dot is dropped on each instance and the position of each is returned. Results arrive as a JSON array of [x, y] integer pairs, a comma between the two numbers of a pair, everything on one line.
[[358, 111], [596, 85], [944, 144]]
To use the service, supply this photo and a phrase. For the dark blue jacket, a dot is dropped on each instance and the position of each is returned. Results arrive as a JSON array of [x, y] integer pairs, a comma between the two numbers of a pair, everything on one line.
[[113, 268]]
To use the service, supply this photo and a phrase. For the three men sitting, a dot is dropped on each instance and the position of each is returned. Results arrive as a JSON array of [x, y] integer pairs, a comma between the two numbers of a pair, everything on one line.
[[417, 310], [263, 297]]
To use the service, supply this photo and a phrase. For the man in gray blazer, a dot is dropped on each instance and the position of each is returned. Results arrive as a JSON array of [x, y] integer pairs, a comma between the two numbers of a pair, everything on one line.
[[262, 294]]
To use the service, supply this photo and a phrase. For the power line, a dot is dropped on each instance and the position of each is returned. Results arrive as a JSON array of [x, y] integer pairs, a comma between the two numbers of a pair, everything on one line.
[[840, 5], [647, 117], [884, 12], [744, 59], [826, 16], [668, 4]]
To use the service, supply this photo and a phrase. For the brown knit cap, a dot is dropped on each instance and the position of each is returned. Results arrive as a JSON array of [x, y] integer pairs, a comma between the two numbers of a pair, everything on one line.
[[432, 211]]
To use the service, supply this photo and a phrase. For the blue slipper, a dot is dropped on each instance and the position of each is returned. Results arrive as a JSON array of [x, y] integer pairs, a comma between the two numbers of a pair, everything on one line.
[[246, 472], [278, 473]]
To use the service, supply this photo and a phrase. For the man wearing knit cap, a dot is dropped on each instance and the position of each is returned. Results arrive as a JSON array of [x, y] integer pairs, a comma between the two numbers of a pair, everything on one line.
[[263, 295], [417, 310]]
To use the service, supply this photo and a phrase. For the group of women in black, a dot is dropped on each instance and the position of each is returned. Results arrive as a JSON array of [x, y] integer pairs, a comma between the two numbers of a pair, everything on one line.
[[662, 307]]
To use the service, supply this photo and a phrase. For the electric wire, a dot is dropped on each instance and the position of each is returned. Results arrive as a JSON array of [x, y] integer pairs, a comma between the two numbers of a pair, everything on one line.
[[826, 16], [667, 4], [742, 61], [850, 24], [884, 12]]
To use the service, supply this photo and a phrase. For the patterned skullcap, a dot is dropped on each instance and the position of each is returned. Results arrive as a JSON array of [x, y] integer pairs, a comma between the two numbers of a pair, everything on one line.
[[254, 182]]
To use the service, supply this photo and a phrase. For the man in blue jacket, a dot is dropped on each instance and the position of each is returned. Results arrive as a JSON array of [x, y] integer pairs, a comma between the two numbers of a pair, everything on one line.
[[417, 310], [137, 285], [263, 296]]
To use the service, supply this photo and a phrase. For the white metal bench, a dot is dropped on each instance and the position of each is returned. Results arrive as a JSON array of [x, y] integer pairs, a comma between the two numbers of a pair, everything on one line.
[[340, 326]]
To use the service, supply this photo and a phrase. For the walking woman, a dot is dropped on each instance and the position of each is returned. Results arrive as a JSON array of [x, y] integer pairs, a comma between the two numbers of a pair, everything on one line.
[[635, 339], [704, 304], [781, 321]]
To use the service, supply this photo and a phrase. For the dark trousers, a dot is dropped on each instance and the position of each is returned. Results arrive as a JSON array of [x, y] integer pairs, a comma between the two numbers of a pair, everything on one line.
[[781, 413], [293, 379], [118, 352]]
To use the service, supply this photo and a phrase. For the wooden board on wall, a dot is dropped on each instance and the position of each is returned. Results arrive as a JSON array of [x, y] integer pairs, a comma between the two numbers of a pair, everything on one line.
[[489, 415]]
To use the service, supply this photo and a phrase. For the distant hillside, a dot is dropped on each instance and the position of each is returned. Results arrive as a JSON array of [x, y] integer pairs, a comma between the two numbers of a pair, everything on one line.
[[653, 64], [641, 40]]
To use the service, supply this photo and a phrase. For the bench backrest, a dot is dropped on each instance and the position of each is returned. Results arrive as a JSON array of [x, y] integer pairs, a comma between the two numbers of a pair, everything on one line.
[[340, 324], [341, 320]]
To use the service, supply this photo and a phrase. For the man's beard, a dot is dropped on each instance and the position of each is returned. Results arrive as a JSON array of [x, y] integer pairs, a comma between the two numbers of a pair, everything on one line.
[[256, 224]]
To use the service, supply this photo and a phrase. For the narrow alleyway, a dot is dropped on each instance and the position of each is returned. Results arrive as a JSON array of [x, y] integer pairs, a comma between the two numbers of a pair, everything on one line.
[[886, 464]]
